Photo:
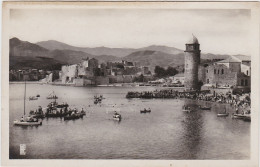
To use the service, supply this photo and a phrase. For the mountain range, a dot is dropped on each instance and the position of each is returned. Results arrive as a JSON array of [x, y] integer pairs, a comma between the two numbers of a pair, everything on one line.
[[52, 54]]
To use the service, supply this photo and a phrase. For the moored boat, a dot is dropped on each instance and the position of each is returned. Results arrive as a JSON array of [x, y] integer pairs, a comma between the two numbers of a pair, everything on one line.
[[204, 108], [33, 98], [52, 96], [27, 121], [72, 117], [117, 116], [222, 114], [145, 111]]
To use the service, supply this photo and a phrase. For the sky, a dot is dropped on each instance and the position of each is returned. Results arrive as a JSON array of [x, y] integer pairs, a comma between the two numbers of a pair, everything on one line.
[[218, 31]]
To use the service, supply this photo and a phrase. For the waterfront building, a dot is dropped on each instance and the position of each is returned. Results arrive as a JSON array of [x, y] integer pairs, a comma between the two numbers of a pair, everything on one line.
[[192, 61]]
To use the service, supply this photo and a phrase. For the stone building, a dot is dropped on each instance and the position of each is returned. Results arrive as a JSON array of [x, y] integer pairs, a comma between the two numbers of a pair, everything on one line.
[[192, 61], [228, 73]]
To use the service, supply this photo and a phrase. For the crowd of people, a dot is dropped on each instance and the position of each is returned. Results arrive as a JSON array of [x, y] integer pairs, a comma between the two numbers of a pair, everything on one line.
[[241, 103]]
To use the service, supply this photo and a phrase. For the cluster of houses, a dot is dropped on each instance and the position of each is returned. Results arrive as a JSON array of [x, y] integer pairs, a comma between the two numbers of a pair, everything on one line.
[[28, 74], [90, 72]]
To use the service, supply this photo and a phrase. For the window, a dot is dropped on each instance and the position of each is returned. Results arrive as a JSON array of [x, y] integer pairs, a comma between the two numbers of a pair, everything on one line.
[[247, 72], [242, 82], [222, 71], [246, 82], [207, 71], [215, 71], [218, 71], [207, 80]]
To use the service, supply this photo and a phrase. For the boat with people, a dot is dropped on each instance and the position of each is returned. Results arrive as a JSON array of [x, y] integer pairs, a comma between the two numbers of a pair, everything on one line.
[[38, 113], [74, 114], [33, 98], [56, 110], [52, 96], [29, 120], [186, 108], [145, 110], [117, 116]]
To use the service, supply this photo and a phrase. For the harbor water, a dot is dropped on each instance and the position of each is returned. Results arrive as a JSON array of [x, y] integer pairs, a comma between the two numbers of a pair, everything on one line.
[[165, 133]]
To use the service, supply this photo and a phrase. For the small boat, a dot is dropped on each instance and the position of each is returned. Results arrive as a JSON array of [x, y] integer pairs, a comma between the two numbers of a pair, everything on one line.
[[145, 111], [52, 96], [222, 114], [72, 117], [38, 95], [29, 121], [33, 98], [186, 109], [117, 117], [238, 116], [205, 108]]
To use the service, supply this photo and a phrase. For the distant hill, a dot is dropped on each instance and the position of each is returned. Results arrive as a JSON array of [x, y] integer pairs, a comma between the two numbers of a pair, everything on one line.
[[26, 54], [56, 45], [153, 58], [19, 62], [118, 52]]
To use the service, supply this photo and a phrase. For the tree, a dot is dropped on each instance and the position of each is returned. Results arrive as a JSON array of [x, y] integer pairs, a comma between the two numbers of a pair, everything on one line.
[[171, 71]]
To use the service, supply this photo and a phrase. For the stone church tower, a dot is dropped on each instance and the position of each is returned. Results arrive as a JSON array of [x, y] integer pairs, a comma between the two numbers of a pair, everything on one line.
[[192, 61]]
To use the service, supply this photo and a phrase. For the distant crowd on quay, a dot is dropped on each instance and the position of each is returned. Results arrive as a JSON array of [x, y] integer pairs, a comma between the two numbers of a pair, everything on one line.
[[242, 101]]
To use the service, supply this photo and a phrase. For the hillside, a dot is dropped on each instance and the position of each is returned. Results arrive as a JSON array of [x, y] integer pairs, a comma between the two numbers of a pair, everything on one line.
[[154, 58], [118, 52], [23, 54]]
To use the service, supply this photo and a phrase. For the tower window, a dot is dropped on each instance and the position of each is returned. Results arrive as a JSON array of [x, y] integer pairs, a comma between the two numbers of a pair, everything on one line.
[[247, 72], [215, 71], [207, 80], [222, 71], [242, 82], [246, 82], [218, 71], [207, 71]]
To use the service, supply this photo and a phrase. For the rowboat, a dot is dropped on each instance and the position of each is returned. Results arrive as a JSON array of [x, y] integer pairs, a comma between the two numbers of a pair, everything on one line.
[[238, 116], [222, 114], [26, 123], [205, 108], [186, 110], [33, 98], [145, 111], [72, 117], [117, 117]]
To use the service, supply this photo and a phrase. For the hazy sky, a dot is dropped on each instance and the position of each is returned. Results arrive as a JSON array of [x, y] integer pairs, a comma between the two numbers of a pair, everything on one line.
[[218, 31]]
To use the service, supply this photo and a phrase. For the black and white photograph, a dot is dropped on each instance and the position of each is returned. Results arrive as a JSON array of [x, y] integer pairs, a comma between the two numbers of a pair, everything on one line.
[[131, 81]]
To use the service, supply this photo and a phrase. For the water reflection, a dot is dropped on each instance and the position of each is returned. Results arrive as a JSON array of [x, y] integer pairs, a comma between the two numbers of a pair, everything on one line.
[[192, 126]]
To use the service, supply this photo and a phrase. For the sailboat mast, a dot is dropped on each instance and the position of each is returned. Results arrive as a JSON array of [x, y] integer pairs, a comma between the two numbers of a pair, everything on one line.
[[24, 98]]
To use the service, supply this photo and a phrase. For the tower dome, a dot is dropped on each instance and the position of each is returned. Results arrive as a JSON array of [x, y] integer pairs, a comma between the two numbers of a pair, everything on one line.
[[193, 40]]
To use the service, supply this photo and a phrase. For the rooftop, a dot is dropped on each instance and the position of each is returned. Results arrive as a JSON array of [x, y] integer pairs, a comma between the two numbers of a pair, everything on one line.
[[231, 59]]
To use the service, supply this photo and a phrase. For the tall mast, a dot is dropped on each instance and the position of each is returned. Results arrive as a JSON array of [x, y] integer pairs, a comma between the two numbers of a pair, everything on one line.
[[24, 98]]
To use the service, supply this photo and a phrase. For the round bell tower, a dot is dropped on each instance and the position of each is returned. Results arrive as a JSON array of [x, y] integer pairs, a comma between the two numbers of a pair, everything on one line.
[[192, 61]]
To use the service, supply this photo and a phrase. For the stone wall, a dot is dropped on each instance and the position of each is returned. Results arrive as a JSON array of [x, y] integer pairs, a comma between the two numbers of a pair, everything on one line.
[[68, 73], [219, 74], [101, 80]]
